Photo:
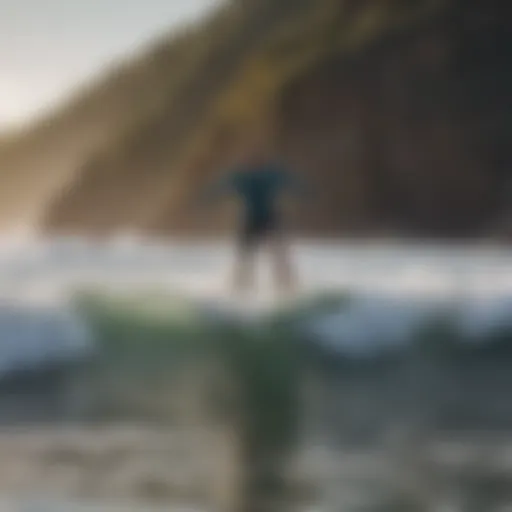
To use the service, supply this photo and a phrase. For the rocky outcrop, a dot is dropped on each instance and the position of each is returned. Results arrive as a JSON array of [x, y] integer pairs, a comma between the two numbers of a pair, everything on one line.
[[412, 133], [399, 113]]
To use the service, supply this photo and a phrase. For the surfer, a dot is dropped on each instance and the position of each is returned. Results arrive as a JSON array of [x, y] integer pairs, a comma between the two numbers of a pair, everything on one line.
[[260, 184]]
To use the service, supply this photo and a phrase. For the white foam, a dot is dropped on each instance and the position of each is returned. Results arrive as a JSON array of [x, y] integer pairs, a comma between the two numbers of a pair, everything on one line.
[[398, 283]]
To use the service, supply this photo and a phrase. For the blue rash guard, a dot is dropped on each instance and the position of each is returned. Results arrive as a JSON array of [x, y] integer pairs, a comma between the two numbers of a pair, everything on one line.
[[259, 190]]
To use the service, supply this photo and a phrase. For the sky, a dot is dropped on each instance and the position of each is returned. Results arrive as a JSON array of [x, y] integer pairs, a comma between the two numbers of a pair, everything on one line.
[[48, 47]]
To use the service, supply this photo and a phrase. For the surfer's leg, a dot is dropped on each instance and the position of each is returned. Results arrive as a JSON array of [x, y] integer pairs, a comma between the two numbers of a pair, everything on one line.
[[284, 271], [243, 275]]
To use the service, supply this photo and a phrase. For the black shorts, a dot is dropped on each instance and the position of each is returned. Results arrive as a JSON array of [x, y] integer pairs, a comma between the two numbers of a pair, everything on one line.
[[255, 230]]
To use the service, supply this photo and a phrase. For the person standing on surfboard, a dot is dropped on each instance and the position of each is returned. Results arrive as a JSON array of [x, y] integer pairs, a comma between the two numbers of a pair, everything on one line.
[[260, 185]]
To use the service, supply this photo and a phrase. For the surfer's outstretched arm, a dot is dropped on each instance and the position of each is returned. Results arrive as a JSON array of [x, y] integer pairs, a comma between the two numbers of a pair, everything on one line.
[[297, 185], [217, 189]]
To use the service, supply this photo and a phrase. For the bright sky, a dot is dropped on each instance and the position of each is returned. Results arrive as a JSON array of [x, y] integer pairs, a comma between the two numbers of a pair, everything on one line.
[[47, 47]]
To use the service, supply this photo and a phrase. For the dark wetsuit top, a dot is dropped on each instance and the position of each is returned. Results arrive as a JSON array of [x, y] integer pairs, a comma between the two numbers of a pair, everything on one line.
[[260, 190]]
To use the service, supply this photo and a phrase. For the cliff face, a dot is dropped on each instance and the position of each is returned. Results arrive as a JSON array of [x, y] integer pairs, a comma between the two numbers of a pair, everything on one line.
[[400, 114], [413, 133]]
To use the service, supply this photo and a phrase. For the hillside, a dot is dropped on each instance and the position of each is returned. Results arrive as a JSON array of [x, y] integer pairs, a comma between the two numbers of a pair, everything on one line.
[[398, 111]]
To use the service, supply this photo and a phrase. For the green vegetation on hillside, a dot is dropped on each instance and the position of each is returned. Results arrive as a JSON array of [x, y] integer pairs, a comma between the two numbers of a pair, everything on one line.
[[408, 83], [295, 37]]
